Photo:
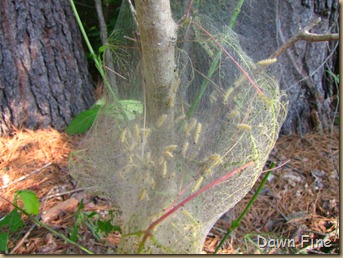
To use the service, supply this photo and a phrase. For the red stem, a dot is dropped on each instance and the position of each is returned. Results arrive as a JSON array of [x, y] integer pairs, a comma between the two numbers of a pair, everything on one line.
[[200, 191], [189, 8]]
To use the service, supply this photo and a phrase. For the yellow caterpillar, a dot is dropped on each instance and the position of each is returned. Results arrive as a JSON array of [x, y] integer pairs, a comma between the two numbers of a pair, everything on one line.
[[170, 148], [176, 85], [244, 127], [137, 133], [189, 127], [146, 133], [164, 169], [197, 133], [161, 120], [184, 149], [233, 114], [267, 62], [180, 118], [227, 94], [171, 101], [123, 135], [142, 195], [197, 183]]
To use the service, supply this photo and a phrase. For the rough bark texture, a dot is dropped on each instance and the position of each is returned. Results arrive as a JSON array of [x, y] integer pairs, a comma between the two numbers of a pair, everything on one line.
[[310, 90], [43, 72]]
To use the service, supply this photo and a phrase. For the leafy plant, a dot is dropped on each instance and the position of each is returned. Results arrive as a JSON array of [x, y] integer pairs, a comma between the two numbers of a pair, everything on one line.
[[93, 222], [12, 222], [85, 119]]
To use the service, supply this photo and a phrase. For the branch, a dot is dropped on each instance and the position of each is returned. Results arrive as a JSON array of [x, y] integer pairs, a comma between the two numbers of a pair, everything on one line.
[[102, 23], [304, 34]]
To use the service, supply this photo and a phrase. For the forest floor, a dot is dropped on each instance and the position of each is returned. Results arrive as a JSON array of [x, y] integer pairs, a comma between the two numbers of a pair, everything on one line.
[[299, 201]]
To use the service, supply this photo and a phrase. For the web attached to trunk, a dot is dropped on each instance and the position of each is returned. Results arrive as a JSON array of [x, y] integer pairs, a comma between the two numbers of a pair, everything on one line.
[[228, 110]]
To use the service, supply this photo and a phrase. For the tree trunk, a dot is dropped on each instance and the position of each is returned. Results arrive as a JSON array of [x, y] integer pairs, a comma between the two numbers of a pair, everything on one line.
[[43, 72], [303, 67], [158, 38]]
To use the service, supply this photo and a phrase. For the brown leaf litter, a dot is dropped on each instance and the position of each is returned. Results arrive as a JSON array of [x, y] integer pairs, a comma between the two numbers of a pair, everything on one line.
[[300, 198]]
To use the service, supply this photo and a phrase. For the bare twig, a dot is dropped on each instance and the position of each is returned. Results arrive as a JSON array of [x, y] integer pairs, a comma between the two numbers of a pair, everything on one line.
[[102, 23], [26, 176], [23, 239], [133, 11], [304, 34], [280, 166]]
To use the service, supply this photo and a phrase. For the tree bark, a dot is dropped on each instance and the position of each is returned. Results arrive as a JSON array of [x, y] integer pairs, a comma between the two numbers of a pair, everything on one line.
[[44, 79], [303, 67], [158, 38]]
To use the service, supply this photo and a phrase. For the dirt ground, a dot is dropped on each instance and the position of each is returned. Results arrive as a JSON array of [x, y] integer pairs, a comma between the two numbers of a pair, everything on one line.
[[299, 199]]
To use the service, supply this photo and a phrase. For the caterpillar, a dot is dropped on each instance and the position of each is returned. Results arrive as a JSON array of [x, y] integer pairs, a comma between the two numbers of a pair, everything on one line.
[[233, 114], [197, 183], [180, 118], [146, 133], [244, 127], [123, 135], [189, 127], [215, 159], [267, 62], [142, 195], [184, 149], [137, 132], [168, 154], [227, 94], [170, 148], [197, 133], [153, 183], [161, 120], [171, 101], [176, 85], [164, 169]]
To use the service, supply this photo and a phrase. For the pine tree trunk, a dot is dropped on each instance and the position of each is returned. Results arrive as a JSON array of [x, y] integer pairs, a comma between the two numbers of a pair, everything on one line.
[[309, 87], [43, 72]]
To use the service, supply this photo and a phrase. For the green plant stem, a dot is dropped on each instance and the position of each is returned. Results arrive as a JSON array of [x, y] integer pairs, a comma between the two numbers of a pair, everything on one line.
[[235, 14], [235, 223], [41, 224], [204, 85], [98, 62]]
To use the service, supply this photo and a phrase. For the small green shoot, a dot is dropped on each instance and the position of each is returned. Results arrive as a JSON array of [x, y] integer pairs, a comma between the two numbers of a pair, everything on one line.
[[92, 221], [12, 222], [235, 223]]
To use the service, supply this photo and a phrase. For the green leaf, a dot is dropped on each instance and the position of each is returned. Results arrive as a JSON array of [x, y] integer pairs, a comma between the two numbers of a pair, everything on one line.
[[107, 227], [74, 233], [3, 242], [102, 49], [30, 200], [131, 107], [82, 122], [12, 220]]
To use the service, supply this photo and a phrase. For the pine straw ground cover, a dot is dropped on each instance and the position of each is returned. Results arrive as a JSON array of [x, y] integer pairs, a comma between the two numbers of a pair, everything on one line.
[[302, 198]]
